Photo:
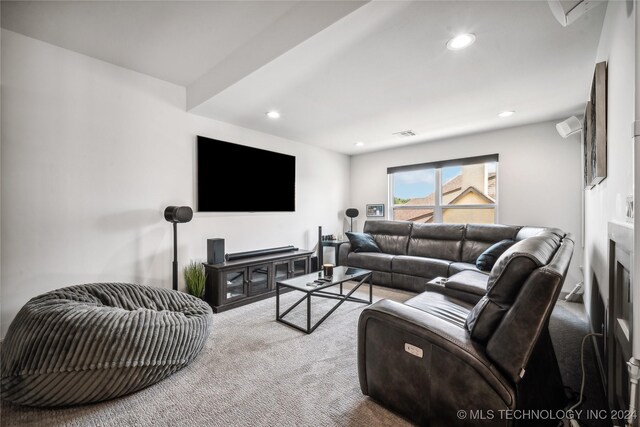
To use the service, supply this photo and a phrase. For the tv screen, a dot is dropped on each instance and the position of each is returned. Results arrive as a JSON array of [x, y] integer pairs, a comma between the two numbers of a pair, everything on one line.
[[261, 181]]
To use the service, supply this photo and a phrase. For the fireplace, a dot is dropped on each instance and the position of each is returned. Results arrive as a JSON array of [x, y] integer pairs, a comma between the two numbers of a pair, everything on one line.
[[619, 328]]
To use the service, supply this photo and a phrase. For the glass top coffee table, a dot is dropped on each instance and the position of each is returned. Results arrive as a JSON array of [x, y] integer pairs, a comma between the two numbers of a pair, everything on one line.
[[313, 286]]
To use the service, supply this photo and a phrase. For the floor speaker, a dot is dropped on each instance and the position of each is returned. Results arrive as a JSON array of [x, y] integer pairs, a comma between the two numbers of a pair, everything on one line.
[[215, 251], [314, 264]]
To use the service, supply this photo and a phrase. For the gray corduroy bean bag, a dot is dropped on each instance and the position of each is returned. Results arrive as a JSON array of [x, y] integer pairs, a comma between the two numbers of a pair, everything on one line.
[[95, 342]]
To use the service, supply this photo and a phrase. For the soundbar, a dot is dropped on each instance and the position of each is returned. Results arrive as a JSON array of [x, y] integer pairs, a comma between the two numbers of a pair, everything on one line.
[[258, 252]]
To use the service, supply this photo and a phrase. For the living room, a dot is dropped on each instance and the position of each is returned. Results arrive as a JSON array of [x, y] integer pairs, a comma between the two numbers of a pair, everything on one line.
[[103, 105]]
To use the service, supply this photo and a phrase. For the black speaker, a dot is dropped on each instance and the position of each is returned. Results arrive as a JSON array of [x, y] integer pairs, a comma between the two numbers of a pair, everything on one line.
[[352, 212], [215, 251], [178, 213]]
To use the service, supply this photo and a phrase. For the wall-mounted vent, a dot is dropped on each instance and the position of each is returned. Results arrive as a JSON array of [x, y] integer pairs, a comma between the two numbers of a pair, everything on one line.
[[568, 11], [405, 133]]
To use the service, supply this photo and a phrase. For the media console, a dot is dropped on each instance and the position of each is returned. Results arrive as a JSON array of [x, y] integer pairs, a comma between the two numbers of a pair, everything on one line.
[[232, 284]]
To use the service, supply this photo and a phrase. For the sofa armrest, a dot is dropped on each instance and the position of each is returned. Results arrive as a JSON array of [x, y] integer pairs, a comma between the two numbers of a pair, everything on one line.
[[473, 282], [469, 286], [343, 253], [450, 372]]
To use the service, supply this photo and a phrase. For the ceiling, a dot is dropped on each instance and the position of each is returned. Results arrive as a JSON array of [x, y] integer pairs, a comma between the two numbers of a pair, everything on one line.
[[177, 41], [339, 71]]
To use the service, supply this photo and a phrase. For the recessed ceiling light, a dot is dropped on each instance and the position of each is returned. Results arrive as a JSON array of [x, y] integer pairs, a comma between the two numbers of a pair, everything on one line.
[[273, 114], [506, 114], [359, 144], [461, 41]]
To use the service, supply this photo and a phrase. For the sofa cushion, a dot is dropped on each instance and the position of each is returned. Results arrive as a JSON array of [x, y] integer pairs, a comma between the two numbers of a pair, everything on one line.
[[362, 242], [479, 237], [473, 282], [509, 346], [516, 263], [442, 241], [484, 318], [392, 237], [371, 261], [445, 307], [382, 278], [408, 282], [457, 267], [488, 258], [418, 266], [507, 277]]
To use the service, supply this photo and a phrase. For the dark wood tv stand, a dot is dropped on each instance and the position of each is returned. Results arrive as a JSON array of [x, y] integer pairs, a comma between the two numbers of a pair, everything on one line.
[[232, 284]]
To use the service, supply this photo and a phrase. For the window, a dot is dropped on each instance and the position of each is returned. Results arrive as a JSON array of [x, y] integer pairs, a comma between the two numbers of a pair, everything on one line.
[[455, 191]]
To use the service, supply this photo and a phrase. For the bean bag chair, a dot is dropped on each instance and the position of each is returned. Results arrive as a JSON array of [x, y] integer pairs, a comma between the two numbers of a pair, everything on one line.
[[95, 342]]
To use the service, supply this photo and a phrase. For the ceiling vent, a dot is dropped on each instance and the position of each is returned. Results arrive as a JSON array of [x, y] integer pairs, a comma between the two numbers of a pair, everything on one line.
[[405, 133]]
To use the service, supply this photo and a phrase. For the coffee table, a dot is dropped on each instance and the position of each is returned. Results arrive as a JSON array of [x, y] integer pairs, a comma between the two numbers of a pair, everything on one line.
[[307, 285]]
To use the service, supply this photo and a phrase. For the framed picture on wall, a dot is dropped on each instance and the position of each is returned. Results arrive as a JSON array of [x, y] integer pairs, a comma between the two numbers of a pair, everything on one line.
[[587, 141], [595, 129], [375, 210]]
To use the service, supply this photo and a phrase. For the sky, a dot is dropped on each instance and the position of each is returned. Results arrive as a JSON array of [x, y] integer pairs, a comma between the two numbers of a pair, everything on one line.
[[420, 183]]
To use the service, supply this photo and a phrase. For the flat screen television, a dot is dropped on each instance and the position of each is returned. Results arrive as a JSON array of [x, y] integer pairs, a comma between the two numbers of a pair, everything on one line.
[[261, 181]]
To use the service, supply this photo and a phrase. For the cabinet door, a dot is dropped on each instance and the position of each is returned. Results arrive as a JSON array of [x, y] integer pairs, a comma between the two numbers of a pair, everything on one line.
[[299, 266], [259, 279], [281, 271], [234, 284]]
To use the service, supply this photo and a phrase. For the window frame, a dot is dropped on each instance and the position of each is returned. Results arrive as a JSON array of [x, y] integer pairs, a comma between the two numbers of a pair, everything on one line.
[[438, 208]]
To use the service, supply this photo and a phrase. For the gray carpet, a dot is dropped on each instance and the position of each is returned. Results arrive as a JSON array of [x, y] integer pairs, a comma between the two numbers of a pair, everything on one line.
[[568, 326], [256, 372]]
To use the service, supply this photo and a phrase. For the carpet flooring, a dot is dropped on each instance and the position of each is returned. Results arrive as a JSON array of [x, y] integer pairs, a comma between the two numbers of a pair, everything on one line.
[[568, 326], [254, 371]]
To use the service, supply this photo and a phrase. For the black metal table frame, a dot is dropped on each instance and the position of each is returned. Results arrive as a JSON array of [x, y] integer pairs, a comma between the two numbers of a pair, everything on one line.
[[322, 294]]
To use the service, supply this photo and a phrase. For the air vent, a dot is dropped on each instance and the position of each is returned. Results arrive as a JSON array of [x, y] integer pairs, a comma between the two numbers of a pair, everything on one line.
[[405, 133]]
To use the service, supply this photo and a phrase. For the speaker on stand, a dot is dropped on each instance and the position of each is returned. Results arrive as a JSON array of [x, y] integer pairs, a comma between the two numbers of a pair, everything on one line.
[[175, 215], [352, 213]]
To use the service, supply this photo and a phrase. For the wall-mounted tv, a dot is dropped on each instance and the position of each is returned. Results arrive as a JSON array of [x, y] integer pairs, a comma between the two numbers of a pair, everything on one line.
[[260, 181]]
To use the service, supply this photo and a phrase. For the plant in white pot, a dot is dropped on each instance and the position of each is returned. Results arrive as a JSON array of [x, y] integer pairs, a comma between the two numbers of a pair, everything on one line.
[[195, 277]]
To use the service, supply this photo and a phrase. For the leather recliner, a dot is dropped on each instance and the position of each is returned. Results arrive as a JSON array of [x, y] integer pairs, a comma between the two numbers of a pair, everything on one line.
[[436, 355]]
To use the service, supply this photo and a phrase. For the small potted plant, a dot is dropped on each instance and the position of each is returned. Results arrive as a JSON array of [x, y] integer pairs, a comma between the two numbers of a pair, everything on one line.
[[195, 277]]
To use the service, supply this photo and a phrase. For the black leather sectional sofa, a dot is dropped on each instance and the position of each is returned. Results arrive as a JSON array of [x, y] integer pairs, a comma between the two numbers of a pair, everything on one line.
[[414, 253], [480, 344]]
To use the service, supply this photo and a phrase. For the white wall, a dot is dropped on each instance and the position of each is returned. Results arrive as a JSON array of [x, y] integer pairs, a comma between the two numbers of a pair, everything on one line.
[[91, 155], [1, 335], [606, 201], [539, 176]]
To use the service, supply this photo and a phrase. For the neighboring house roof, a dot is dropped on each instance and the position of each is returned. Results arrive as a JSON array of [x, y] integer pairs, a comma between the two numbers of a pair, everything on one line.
[[475, 191], [415, 215], [452, 186]]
